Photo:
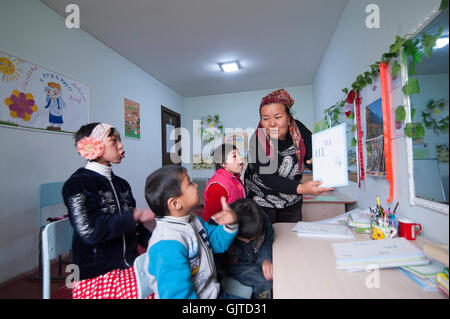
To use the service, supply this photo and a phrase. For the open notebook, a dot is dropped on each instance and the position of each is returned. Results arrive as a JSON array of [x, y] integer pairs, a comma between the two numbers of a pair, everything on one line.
[[383, 253], [308, 229]]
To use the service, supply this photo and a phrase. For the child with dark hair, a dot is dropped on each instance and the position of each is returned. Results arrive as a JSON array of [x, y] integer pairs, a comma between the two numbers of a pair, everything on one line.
[[226, 182], [249, 258], [102, 210], [180, 254]]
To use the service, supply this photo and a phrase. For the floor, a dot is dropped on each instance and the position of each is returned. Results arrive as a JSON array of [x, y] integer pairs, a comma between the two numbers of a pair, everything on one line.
[[29, 286]]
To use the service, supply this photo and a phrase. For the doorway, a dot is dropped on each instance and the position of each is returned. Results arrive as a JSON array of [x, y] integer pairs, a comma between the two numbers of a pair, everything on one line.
[[171, 149]]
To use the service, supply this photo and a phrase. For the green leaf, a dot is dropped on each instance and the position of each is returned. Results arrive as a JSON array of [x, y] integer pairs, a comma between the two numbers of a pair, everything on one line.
[[412, 68], [335, 116], [413, 112], [354, 127], [399, 41], [411, 48], [396, 67], [345, 90], [419, 130], [411, 87], [353, 142], [400, 113], [317, 127], [429, 41], [408, 130], [444, 5], [325, 123], [430, 104]]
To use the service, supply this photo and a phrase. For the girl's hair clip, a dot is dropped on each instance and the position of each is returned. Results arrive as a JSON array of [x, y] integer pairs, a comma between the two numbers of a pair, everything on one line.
[[90, 148]]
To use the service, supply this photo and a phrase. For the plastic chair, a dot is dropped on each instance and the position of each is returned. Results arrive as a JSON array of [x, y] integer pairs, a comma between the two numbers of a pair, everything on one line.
[[56, 240], [49, 195], [140, 264]]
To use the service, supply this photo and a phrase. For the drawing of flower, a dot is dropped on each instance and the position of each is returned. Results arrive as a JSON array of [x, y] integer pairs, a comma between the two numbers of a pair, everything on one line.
[[90, 148], [21, 105]]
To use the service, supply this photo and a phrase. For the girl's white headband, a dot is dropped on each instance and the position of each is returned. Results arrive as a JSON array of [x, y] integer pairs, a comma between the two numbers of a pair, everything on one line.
[[100, 131]]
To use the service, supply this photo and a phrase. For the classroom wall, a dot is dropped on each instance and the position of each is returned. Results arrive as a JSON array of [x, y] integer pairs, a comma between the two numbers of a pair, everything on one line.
[[241, 110], [351, 51], [32, 31]]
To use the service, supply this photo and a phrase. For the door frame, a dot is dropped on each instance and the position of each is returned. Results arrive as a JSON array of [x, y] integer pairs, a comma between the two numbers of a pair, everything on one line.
[[163, 132]]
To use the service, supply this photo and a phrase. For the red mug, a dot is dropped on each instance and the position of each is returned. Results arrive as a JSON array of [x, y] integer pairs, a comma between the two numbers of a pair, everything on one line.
[[408, 229]]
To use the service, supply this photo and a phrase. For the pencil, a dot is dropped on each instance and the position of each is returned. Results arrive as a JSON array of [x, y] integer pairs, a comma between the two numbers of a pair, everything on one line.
[[396, 207]]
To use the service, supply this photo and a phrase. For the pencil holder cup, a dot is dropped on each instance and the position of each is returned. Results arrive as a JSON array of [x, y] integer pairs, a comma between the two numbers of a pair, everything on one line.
[[381, 232]]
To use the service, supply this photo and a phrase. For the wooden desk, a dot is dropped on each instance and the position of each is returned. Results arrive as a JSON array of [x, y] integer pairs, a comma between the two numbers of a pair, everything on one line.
[[306, 268], [327, 205]]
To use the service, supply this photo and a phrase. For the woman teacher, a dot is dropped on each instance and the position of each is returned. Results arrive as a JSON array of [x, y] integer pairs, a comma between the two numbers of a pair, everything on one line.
[[279, 150]]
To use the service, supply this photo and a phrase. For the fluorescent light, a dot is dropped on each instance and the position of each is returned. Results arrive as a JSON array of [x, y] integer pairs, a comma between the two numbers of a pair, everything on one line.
[[229, 66], [441, 42]]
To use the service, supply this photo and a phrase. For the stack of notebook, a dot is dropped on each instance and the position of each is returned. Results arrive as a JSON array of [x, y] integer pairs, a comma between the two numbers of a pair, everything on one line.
[[321, 230], [442, 281], [439, 253], [384, 253], [424, 275], [359, 220]]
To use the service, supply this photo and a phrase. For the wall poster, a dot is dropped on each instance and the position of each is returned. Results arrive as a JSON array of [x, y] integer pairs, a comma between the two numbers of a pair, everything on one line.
[[132, 119], [374, 139], [37, 98]]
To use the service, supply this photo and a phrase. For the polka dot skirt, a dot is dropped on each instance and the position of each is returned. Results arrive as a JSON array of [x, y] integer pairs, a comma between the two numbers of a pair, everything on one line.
[[116, 284]]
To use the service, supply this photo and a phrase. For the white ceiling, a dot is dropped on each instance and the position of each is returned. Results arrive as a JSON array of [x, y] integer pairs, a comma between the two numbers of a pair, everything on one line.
[[279, 43]]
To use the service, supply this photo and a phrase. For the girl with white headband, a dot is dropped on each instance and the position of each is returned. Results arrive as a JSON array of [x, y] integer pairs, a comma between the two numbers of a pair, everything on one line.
[[102, 210]]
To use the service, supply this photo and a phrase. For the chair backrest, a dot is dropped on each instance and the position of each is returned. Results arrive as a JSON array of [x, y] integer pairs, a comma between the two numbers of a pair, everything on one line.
[[56, 240], [140, 263], [49, 195]]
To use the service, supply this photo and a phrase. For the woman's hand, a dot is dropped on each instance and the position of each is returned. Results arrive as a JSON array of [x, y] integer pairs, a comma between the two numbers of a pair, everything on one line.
[[267, 268], [312, 188], [226, 216]]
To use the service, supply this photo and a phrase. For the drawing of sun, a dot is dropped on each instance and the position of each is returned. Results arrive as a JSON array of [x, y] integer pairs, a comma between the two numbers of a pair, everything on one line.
[[8, 66]]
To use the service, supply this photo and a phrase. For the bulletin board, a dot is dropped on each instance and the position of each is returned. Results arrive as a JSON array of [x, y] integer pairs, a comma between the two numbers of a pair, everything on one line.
[[34, 97]]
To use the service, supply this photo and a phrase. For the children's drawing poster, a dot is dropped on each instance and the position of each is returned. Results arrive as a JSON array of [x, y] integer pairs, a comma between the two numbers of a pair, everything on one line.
[[374, 139], [132, 119], [330, 156], [34, 97]]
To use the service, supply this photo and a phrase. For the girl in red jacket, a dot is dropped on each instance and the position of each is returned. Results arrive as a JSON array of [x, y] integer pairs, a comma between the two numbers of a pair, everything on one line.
[[226, 182]]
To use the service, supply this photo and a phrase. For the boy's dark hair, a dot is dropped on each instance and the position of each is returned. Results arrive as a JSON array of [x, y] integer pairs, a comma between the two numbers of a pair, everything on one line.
[[221, 152], [250, 217], [161, 185], [86, 130]]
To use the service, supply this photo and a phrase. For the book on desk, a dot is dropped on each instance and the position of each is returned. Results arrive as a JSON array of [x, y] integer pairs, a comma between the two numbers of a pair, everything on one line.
[[383, 253], [321, 230]]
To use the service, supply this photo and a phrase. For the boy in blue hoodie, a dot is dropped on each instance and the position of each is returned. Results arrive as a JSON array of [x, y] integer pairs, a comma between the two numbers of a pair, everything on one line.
[[180, 252]]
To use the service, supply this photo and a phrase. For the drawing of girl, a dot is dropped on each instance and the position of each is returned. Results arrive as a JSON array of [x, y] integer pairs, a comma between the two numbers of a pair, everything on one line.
[[55, 104]]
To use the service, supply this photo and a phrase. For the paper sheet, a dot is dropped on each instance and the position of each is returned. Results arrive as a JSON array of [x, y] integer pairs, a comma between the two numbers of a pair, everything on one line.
[[330, 156]]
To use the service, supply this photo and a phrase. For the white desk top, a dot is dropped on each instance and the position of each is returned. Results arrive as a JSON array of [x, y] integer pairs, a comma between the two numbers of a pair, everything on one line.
[[306, 268]]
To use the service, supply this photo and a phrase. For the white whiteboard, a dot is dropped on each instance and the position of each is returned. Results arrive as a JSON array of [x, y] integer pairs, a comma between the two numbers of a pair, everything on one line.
[[330, 156]]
